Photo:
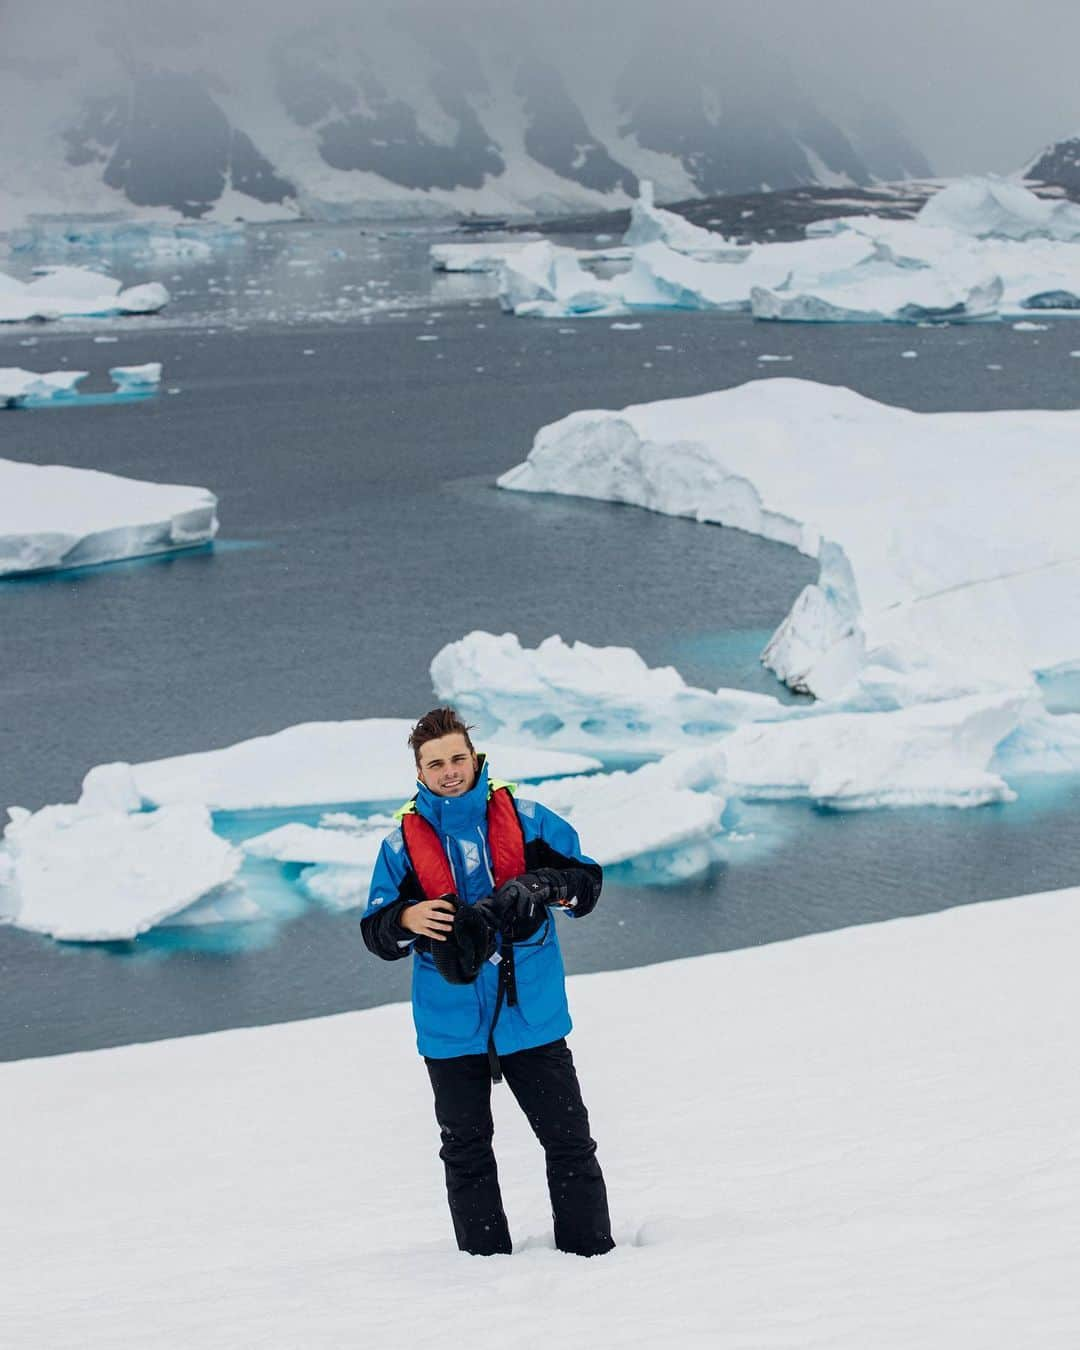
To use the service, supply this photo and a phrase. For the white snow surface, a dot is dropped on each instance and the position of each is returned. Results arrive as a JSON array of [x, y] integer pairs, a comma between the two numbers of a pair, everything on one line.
[[947, 541], [69, 292], [52, 516], [97, 871], [314, 762], [882, 1153]]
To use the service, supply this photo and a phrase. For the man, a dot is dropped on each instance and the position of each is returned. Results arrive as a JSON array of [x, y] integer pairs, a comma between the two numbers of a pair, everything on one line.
[[467, 885]]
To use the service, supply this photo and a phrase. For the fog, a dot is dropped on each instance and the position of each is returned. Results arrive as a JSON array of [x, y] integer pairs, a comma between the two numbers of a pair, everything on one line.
[[978, 86]]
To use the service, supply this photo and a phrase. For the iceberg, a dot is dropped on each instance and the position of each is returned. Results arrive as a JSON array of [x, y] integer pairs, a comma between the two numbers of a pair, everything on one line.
[[315, 762], [1036, 273], [28, 389], [946, 541], [995, 208], [544, 281], [880, 294], [100, 871], [975, 250], [650, 224], [548, 282], [21, 388], [53, 517], [136, 379], [578, 697], [75, 292]]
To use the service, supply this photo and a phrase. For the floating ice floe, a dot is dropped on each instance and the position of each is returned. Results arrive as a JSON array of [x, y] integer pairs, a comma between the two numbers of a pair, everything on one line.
[[315, 762], [995, 208], [28, 389], [931, 754], [949, 751], [75, 292], [663, 817], [52, 516], [101, 870], [19, 388], [578, 697], [136, 379], [947, 541]]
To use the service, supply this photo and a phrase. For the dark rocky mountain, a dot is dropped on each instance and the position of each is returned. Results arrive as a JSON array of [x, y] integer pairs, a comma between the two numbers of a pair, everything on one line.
[[350, 115], [1058, 165]]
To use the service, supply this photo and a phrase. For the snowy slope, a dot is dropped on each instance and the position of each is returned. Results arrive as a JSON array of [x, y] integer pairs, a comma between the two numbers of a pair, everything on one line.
[[862, 1139], [376, 110]]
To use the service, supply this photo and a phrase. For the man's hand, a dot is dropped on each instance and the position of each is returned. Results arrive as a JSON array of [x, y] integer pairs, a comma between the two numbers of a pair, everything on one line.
[[430, 918]]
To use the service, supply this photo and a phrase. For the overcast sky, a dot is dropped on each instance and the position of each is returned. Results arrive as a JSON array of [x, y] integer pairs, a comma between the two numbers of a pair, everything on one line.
[[979, 84]]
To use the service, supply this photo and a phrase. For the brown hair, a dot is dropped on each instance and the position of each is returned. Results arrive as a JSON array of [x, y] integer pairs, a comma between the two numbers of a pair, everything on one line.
[[439, 722]]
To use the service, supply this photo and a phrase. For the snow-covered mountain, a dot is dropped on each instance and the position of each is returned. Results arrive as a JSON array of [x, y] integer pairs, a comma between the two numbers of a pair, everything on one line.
[[376, 112], [1058, 164]]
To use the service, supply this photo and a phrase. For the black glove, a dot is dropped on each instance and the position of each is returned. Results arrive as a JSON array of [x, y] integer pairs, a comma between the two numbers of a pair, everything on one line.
[[518, 901], [468, 945]]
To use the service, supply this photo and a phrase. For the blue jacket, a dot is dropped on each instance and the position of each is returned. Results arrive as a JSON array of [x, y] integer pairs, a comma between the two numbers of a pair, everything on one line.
[[453, 1019]]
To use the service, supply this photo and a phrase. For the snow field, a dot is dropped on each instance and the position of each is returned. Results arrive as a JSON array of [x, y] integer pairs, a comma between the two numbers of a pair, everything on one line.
[[861, 1138]]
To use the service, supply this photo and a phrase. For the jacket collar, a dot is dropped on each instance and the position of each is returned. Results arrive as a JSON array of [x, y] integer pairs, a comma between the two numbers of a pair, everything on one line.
[[450, 815]]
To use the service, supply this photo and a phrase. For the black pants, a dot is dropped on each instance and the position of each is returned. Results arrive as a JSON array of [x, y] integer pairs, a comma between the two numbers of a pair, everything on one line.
[[546, 1087]]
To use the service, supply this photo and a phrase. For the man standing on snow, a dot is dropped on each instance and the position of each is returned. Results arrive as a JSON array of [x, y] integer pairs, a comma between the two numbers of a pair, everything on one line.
[[465, 885]]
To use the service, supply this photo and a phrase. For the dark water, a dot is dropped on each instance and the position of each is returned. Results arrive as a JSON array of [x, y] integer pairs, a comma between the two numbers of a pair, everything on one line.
[[361, 532]]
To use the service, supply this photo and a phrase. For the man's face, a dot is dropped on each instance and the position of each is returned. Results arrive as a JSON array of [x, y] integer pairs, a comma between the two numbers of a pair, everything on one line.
[[447, 766]]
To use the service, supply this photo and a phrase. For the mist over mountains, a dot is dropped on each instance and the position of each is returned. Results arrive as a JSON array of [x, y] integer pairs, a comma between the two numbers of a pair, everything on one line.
[[370, 111]]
